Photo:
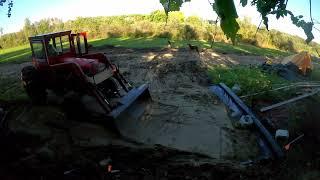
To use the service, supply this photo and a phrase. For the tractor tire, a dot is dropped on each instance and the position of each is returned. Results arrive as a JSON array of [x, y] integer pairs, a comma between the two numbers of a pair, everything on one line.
[[33, 85]]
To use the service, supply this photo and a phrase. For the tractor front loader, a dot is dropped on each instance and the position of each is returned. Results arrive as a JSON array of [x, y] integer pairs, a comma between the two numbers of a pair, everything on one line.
[[61, 63]]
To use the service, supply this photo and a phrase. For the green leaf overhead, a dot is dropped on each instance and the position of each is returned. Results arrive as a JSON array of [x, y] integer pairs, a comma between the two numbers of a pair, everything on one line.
[[306, 26], [172, 5], [278, 8], [225, 9], [227, 12], [244, 2], [10, 5]]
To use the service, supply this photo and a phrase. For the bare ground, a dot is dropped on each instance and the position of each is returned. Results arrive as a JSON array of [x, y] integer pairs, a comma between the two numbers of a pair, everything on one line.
[[184, 117]]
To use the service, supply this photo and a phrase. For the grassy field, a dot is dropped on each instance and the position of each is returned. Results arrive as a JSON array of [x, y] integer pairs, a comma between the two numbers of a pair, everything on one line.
[[11, 88], [142, 43], [23, 54], [16, 54]]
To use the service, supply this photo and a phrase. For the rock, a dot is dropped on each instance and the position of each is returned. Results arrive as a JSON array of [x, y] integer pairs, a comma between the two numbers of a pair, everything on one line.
[[246, 121], [282, 136], [45, 153], [236, 88]]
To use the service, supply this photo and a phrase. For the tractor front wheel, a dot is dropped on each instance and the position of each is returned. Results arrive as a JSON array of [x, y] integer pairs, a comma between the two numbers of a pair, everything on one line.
[[33, 85]]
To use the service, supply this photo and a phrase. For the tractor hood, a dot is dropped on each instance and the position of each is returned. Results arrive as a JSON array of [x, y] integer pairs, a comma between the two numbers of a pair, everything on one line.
[[89, 66]]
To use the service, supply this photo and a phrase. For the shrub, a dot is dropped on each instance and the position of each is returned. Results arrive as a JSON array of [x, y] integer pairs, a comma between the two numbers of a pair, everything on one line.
[[154, 25]]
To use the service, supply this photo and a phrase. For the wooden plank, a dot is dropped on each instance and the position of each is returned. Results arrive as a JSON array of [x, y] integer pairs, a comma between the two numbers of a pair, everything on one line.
[[264, 109], [283, 87]]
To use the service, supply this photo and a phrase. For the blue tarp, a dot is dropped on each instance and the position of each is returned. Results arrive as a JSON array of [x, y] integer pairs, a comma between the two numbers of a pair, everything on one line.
[[218, 91]]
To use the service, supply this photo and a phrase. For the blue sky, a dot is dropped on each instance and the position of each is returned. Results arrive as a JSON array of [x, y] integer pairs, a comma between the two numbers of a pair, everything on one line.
[[70, 9]]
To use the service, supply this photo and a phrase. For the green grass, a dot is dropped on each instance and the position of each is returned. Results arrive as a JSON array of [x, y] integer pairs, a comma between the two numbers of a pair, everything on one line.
[[138, 43], [15, 55], [22, 53], [141, 43], [251, 79]]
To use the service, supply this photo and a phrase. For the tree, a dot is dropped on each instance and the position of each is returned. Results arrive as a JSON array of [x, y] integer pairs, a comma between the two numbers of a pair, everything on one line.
[[28, 29], [227, 13]]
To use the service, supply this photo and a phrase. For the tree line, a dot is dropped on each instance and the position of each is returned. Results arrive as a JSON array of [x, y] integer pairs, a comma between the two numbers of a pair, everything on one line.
[[156, 24]]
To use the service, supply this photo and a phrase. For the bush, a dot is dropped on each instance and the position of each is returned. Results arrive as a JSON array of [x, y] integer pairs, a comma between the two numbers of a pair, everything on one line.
[[189, 33], [250, 78], [154, 25]]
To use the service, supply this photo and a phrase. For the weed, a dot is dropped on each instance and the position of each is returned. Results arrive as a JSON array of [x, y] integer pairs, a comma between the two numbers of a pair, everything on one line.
[[251, 79]]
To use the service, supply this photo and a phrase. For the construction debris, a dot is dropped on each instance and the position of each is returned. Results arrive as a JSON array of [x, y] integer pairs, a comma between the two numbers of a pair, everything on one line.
[[301, 60], [235, 111], [264, 109], [307, 84], [293, 67], [287, 147], [246, 121], [282, 134], [236, 88], [267, 142]]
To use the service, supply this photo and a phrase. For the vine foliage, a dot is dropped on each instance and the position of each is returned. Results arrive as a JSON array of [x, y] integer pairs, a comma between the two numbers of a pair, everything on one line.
[[227, 13], [10, 5], [172, 5]]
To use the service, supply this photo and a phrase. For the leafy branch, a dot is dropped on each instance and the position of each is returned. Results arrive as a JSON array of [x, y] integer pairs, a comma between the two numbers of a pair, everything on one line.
[[227, 13], [10, 5], [306, 26], [172, 5], [278, 8], [226, 10]]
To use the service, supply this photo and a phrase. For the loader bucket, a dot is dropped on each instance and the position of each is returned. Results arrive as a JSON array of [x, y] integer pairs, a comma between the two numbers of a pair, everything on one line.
[[133, 105]]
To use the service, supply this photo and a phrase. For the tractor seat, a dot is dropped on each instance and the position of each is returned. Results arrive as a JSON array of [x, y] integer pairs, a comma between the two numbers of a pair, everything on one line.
[[89, 66]]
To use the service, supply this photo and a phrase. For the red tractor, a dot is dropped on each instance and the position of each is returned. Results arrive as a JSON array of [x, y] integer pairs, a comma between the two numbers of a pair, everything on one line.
[[61, 63]]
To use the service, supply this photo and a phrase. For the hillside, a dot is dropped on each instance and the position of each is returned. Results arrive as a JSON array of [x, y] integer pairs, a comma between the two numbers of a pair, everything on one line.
[[178, 28]]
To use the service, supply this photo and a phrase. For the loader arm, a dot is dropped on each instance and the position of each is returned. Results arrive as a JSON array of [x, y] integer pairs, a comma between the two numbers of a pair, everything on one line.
[[83, 82]]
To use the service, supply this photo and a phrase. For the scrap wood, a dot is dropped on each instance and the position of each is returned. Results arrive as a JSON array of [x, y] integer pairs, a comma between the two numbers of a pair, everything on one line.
[[289, 101], [307, 84], [301, 82]]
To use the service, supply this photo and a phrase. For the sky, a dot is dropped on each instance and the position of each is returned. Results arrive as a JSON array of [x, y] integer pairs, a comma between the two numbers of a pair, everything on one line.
[[70, 9]]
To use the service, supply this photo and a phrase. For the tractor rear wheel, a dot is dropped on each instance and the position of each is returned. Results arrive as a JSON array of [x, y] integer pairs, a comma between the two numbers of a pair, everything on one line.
[[33, 85]]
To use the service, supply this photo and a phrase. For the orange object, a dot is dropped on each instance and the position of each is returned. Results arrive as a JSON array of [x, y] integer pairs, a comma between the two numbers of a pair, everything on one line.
[[109, 169], [287, 147], [302, 60]]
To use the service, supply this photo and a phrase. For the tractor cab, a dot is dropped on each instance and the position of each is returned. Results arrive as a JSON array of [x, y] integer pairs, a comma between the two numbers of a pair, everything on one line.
[[63, 47]]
